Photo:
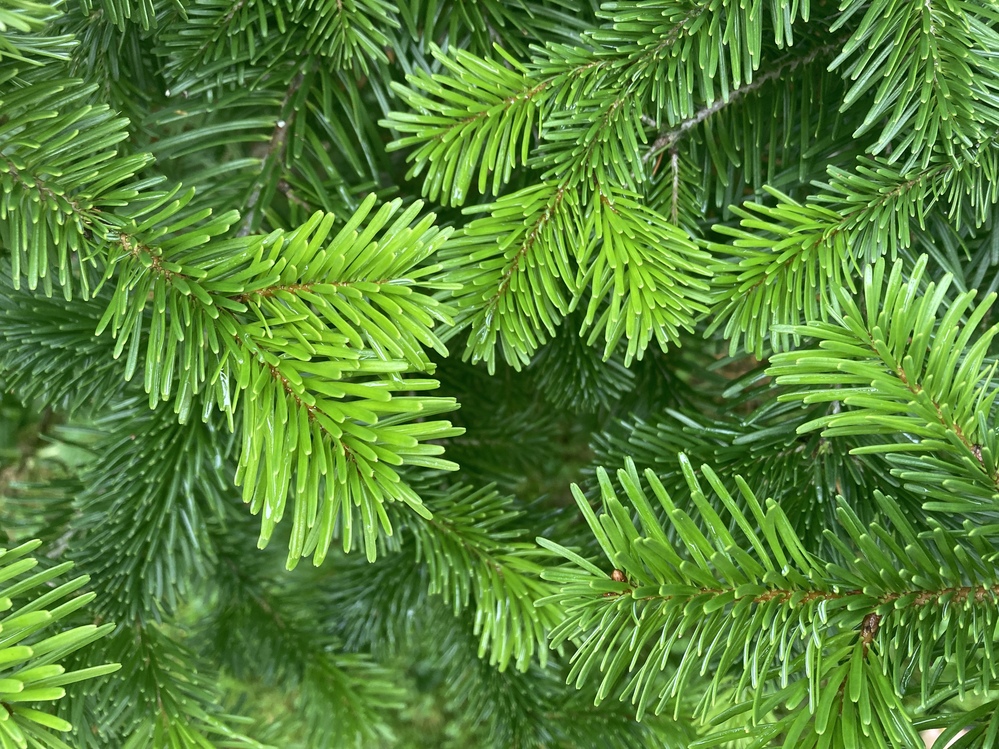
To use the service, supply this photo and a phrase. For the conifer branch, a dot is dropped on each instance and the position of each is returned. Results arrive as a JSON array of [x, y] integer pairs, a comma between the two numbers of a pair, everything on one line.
[[854, 607], [269, 640], [300, 356], [475, 554], [274, 152], [930, 378], [669, 138], [923, 57], [754, 594]]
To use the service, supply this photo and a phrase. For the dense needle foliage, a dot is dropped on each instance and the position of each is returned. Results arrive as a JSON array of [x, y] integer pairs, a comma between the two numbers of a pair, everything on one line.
[[541, 374]]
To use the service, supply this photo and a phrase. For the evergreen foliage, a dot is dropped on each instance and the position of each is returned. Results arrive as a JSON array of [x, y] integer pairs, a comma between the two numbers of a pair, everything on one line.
[[626, 371]]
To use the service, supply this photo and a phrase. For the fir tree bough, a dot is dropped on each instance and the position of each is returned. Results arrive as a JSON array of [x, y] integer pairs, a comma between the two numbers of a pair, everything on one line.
[[626, 370]]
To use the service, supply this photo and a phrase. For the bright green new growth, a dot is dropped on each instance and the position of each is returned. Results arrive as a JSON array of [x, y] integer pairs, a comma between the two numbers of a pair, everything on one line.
[[320, 332], [33, 648], [726, 269]]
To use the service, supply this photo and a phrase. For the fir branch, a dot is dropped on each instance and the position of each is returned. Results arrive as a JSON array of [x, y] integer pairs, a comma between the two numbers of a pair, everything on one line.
[[480, 27], [496, 297], [926, 54], [984, 595], [623, 264], [738, 597], [273, 154], [471, 533], [328, 363], [579, 154], [830, 615], [33, 655], [146, 491], [268, 639], [349, 33], [783, 252], [50, 352], [915, 368], [669, 138], [61, 210], [175, 702], [484, 110]]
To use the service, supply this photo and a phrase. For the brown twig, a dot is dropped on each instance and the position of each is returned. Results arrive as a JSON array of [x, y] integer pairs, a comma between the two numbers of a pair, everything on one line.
[[275, 149], [671, 137]]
